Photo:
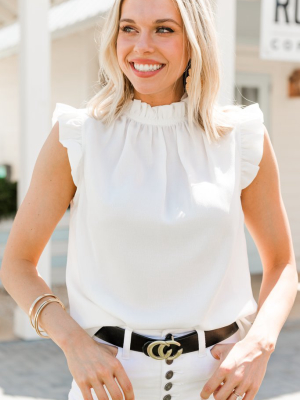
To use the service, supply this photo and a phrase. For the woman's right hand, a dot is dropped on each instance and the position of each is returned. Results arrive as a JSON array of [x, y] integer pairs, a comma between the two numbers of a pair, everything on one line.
[[93, 364]]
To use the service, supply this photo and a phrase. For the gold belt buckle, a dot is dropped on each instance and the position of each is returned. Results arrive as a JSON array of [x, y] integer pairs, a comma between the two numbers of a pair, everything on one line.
[[162, 344]]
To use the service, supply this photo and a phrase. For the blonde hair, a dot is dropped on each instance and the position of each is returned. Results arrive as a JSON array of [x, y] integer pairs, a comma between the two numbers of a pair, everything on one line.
[[116, 91]]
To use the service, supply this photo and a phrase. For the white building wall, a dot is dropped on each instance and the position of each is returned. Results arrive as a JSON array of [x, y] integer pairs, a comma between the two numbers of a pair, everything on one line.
[[9, 113], [74, 67]]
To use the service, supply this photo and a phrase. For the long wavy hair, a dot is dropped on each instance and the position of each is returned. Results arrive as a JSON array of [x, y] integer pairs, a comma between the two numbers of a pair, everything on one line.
[[116, 91]]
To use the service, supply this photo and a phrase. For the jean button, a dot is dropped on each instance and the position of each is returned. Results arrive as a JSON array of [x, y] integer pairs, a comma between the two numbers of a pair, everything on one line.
[[169, 374]]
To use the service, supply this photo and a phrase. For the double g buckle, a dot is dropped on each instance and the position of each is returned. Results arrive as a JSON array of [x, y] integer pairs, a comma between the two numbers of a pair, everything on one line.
[[162, 344]]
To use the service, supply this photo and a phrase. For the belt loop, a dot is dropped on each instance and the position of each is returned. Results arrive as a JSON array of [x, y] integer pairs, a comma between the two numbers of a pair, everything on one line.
[[201, 342], [126, 343]]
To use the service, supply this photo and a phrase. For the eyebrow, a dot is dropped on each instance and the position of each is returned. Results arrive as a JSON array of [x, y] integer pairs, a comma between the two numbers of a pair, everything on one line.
[[158, 21]]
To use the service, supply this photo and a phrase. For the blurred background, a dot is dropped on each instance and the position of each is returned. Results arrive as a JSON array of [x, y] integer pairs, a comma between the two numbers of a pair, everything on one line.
[[48, 54]]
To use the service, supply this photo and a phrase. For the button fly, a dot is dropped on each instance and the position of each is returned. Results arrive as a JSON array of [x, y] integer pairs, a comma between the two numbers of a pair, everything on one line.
[[169, 374]]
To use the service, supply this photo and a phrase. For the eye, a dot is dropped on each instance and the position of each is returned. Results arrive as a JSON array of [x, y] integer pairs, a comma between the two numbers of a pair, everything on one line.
[[124, 29], [167, 29]]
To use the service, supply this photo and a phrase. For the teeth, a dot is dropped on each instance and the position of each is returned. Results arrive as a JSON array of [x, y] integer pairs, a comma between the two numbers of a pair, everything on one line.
[[146, 67]]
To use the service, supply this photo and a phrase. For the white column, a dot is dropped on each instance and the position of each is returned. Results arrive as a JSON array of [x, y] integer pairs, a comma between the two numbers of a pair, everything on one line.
[[225, 13], [35, 123]]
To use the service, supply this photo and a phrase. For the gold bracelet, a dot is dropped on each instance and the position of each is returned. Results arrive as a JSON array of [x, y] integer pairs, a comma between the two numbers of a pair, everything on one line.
[[41, 307], [34, 303], [38, 313]]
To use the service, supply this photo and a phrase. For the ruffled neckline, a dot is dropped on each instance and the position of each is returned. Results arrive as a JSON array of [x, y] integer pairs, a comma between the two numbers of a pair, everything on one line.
[[169, 114]]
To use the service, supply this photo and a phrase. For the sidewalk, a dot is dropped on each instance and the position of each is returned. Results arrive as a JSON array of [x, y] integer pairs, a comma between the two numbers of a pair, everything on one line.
[[38, 369]]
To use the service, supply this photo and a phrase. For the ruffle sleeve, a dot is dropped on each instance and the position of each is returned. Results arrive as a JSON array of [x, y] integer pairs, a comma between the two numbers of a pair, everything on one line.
[[71, 121], [251, 136]]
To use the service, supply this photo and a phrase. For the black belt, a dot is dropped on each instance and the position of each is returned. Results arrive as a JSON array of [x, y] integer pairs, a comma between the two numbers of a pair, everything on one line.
[[155, 348]]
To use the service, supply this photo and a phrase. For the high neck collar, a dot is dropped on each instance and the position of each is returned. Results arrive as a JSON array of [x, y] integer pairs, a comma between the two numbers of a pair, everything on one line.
[[158, 115]]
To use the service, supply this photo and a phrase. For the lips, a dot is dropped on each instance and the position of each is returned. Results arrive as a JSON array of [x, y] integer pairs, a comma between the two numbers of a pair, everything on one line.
[[148, 63], [145, 74], [132, 64], [145, 61]]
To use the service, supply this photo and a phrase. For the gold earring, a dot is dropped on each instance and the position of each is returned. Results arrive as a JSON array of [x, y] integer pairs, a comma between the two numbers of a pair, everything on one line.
[[188, 81]]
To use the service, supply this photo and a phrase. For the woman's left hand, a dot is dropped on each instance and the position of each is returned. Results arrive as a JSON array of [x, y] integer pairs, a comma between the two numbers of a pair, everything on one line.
[[242, 368]]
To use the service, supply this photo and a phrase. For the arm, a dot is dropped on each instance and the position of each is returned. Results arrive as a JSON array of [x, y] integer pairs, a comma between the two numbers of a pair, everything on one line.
[[243, 364], [267, 222], [50, 192], [51, 189]]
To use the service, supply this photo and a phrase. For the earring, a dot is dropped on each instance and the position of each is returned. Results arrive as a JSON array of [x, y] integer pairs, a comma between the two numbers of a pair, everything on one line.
[[188, 81]]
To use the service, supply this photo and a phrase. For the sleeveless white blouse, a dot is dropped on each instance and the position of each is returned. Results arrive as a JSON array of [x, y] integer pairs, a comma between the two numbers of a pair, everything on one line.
[[156, 236]]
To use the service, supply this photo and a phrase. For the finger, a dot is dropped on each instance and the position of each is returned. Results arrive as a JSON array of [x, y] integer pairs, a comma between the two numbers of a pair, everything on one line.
[[97, 385], [100, 391], [220, 350], [212, 384], [218, 389], [113, 389], [215, 355], [240, 387], [86, 392], [123, 380], [248, 394], [234, 396], [226, 390]]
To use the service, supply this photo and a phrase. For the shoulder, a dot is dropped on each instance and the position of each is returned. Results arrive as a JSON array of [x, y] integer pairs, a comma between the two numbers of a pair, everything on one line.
[[251, 139], [70, 122], [268, 173], [250, 132], [71, 117]]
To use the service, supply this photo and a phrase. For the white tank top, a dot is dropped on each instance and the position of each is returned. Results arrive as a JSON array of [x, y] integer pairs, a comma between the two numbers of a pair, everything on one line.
[[156, 236]]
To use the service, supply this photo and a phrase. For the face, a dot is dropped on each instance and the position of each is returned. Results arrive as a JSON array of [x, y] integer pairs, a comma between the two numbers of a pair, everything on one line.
[[153, 54]]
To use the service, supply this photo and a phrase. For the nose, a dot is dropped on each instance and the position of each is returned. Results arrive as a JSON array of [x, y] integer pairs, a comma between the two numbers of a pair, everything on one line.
[[144, 43]]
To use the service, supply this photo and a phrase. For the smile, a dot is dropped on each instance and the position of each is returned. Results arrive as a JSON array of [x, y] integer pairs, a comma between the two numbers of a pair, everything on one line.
[[147, 67], [146, 70]]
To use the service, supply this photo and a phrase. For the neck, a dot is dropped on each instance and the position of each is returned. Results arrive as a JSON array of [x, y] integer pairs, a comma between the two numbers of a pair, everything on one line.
[[159, 99]]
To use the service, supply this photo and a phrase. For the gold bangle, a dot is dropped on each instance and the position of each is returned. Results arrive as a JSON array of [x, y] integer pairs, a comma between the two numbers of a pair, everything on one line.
[[41, 307], [34, 303], [38, 313]]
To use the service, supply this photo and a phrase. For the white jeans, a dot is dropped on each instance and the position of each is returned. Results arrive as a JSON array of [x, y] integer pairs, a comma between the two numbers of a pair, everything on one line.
[[148, 376]]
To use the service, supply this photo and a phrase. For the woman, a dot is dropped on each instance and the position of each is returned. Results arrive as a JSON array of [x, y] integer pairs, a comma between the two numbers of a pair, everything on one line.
[[159, 182]]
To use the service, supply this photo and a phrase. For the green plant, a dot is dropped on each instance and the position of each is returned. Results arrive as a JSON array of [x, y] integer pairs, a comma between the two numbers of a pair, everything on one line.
[[8, 198]]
